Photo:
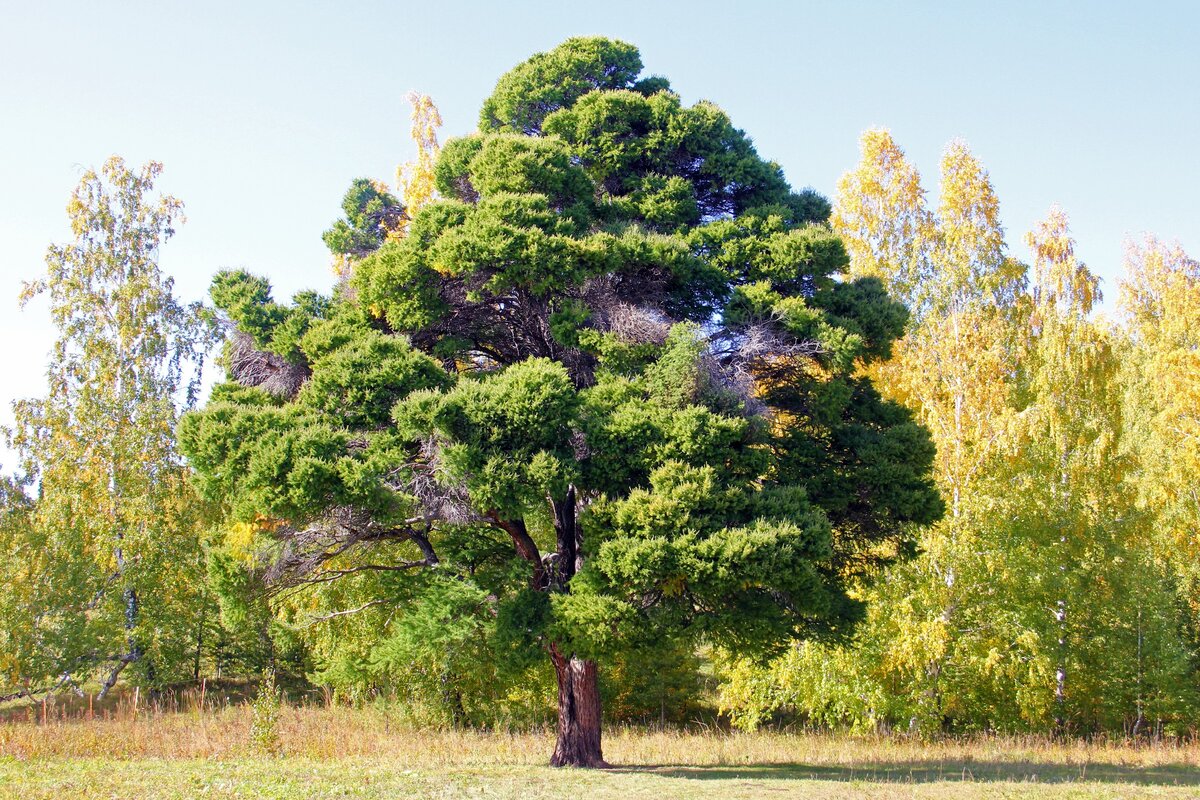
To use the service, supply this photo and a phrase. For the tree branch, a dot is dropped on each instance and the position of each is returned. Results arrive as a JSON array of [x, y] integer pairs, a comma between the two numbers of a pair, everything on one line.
[[315, 618], [333, 574], [523, 543]]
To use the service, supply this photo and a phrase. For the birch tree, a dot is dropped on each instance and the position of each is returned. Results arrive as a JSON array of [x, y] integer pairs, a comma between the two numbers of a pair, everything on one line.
[[112, 553]]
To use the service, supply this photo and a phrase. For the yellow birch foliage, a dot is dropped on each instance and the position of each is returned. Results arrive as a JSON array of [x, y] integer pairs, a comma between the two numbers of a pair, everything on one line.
[[1073, 416], [970, 267], [1038, 579], [1115, 647], [955, 369], [111, 575], [1160, 297], [415, 179], [1061, 280], [881, 215]]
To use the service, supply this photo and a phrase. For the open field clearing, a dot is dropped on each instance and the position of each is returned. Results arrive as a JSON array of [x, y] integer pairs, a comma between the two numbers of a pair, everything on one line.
[[365, 754]]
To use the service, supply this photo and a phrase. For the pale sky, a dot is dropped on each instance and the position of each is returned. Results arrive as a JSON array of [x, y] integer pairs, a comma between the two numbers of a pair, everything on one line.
[[263, 112]]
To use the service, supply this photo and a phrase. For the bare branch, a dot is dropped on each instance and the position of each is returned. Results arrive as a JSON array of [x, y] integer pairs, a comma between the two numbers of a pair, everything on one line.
[[305, 550], [328, 575], [250, 366], [65, 678], [315, 618]]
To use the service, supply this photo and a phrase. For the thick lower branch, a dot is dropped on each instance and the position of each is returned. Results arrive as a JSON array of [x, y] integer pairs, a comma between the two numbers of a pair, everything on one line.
[[64, 679], [523, 543]]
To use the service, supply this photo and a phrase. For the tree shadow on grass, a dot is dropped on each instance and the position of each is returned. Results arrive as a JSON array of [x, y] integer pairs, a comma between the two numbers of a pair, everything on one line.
[[938, 772]]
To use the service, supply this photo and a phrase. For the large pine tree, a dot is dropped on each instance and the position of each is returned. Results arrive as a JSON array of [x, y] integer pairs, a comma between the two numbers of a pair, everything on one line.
[[610, 382]]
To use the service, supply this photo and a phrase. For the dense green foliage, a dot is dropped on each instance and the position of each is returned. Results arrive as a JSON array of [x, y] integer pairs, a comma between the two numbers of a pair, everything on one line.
[[371, 214], [602, 396]]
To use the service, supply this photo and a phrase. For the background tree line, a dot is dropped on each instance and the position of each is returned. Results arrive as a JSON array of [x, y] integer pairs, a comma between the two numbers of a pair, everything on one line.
[[1056, 593]]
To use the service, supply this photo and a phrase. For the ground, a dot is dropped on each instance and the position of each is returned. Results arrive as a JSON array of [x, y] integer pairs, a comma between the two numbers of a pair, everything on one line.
[[342, 753]]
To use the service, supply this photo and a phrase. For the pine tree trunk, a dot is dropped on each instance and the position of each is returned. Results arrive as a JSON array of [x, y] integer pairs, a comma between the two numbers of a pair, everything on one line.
[[578, 743]]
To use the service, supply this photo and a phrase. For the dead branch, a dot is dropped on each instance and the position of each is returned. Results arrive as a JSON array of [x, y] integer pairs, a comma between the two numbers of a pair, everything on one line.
[[315, 618], [250, 366]]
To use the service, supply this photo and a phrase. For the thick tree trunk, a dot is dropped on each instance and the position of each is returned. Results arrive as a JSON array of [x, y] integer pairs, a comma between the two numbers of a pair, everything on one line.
[[578, 743]]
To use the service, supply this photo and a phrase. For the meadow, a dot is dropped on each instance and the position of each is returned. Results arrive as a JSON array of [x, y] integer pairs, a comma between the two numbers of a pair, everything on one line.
[[338, 752]]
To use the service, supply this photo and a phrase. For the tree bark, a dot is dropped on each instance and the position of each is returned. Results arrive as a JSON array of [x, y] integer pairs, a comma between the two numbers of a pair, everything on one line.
[[578, 743], [570, 557]]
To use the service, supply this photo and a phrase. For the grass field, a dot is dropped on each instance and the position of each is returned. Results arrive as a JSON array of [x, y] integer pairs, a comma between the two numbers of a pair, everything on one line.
[[345, 753]]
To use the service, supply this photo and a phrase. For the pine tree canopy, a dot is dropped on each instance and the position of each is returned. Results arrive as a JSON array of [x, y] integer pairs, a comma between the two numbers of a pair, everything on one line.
[[612, 377]]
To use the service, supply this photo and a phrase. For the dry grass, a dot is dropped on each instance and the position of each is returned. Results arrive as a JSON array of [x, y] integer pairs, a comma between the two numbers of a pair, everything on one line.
[[340, 732], [339, 752]]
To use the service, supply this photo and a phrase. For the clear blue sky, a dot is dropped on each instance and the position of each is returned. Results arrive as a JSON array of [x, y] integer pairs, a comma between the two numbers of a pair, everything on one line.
[[262, 112]]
